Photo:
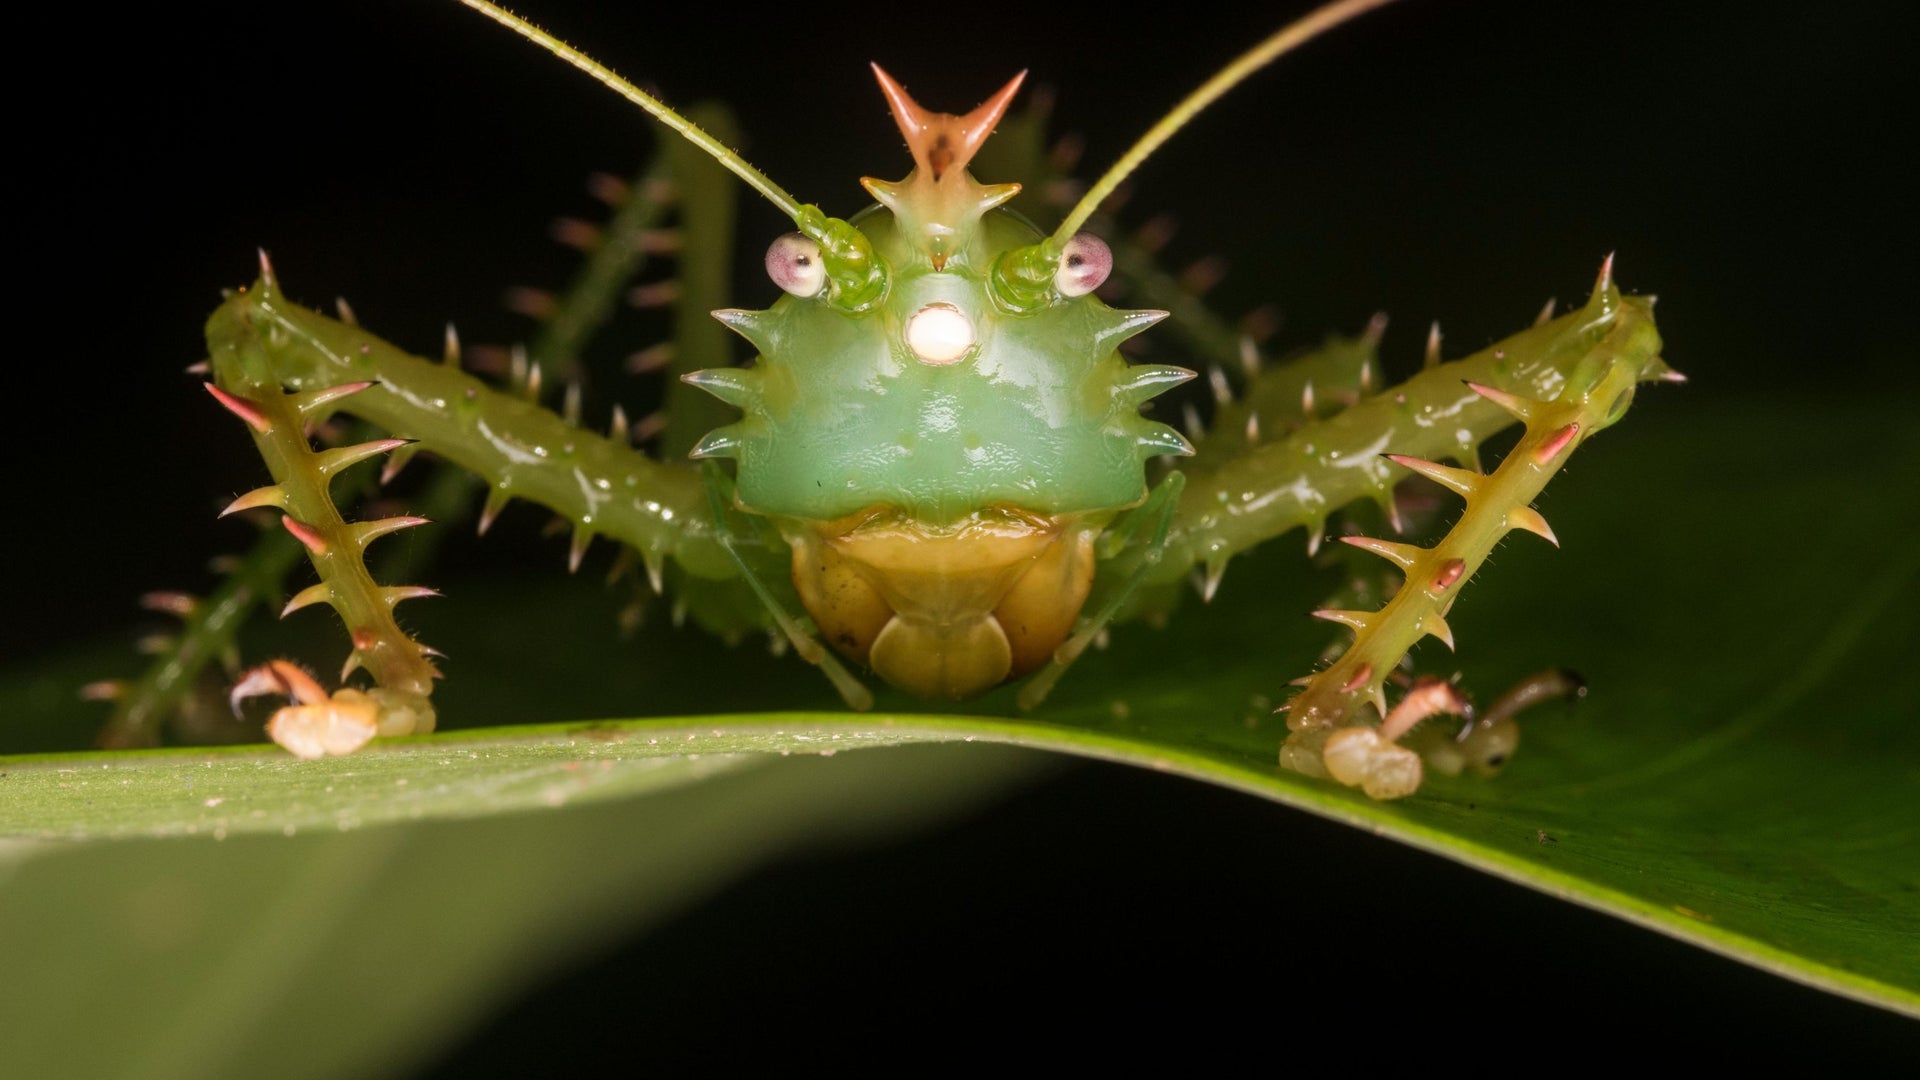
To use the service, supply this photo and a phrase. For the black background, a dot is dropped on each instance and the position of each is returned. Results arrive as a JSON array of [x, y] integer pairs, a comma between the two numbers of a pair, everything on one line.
[[1453, 160]]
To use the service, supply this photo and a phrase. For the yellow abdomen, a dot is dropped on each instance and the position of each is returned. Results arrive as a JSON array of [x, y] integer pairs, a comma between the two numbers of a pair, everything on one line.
[[946, 611]]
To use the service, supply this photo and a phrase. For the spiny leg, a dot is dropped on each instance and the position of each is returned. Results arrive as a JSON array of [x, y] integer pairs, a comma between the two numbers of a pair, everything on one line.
[[247, 385], [1565, 378], [264, 347], [1597, 392], [615, 252]]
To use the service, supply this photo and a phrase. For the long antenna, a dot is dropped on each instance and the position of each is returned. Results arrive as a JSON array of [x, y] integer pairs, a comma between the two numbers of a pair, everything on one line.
[[733, 162], [1288, 38]]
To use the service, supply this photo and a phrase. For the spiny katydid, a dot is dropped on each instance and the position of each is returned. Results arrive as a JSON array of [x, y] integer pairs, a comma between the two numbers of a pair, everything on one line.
[[940, 469]]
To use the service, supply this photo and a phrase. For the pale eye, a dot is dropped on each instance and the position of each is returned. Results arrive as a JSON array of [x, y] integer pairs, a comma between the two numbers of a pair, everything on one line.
[[793, 262], [1084, 264]]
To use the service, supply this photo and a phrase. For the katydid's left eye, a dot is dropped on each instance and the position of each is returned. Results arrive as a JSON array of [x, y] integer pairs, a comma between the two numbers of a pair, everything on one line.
[[793, 262], [1084, 264]]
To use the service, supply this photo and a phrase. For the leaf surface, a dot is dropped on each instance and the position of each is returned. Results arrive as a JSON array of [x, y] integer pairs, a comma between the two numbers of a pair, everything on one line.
[[1742, 776]]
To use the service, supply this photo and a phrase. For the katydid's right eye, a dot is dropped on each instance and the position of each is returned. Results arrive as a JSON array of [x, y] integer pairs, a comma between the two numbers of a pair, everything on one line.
[[1085, 262], [793, 262]]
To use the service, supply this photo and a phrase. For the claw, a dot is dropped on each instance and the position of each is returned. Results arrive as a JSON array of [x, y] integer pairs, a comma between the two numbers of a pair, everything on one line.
[[1429, 697], [276, 677], [317, 724]]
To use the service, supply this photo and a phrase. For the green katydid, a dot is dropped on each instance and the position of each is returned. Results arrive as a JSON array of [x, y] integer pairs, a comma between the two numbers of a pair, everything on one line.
[[940, 471]]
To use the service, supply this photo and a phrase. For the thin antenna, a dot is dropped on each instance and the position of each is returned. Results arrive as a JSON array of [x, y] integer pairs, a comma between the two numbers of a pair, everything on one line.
[[733, 162], [1287, 39]]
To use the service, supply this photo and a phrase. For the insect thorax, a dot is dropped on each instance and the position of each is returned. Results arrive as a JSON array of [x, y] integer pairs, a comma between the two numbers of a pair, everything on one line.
[[841, 415]]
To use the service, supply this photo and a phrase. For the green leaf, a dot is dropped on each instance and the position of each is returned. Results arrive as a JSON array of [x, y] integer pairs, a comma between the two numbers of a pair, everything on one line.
[[1742, 775], [341, 950]]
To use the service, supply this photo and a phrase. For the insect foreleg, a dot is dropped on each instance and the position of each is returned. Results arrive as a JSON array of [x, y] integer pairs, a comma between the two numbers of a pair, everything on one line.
[[1323, 738], [1564, 379], [281, 367], [649, 220], [246, 383]]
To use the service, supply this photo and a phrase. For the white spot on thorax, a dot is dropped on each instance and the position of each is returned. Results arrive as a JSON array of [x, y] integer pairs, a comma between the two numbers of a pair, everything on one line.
[[939, 334]]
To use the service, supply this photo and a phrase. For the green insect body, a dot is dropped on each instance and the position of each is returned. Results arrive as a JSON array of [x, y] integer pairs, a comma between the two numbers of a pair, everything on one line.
[[940, 458], [940, 468], [1040, 412]]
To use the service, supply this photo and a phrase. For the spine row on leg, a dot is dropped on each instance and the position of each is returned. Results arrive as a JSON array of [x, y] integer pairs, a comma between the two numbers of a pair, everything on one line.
[[1597, 390]]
